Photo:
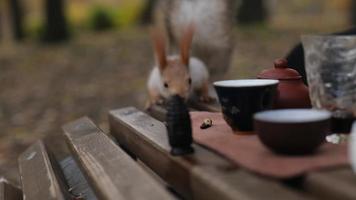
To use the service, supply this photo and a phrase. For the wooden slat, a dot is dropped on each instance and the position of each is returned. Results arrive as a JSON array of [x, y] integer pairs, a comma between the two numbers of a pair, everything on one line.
[[39, 177], [332, 184], [202, 175], [152, 173], [9, 191], [111, 172], [159, 112]]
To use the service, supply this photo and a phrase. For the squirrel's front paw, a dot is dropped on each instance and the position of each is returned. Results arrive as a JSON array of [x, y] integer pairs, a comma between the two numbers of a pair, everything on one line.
[[206, 99], [149, 105], [160, 102]]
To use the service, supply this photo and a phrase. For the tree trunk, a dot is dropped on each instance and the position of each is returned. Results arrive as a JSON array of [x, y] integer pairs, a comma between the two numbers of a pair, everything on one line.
[[251, 12], [56, 25], [353, 12], [147, 13], [16, 19], [1, 24]]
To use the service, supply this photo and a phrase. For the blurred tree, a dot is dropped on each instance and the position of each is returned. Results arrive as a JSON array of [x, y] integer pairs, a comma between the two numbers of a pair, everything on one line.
[[101, 19], [353, 12], [16, 19], [147, 13], [251, 12], [1, 24], [56, 29]]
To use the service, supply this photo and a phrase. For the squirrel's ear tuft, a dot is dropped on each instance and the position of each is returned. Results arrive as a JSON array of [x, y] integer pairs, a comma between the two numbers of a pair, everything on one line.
[[185, 44], [159, 45]]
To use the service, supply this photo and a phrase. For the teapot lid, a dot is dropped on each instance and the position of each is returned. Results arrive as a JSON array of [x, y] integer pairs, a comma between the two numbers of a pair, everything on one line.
[[280, 71]]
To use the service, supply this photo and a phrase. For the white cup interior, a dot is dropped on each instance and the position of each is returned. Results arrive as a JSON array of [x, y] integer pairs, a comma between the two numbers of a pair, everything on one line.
[[246, 83], [293, 115]]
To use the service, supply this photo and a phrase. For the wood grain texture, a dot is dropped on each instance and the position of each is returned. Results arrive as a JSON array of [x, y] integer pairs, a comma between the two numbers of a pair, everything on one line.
[[332, 184], [9, 191], [202, 175], [110, 171], [38, 175]]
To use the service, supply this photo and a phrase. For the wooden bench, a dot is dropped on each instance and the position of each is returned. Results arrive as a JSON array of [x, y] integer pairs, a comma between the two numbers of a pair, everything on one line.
[[111, 172], [134, 162], [100, 169]]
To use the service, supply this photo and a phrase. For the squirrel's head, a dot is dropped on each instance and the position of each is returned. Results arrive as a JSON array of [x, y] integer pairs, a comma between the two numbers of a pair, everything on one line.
[[174, 69]]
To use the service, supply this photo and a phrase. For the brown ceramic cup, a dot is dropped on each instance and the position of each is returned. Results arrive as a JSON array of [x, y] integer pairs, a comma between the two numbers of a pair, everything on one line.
[[292, 131]]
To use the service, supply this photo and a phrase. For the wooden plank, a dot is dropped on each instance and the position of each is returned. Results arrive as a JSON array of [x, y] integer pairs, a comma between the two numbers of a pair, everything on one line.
[[202, 175], [158, 112], [152, 173], [332, 184], [39, 177], [8, 191], [110, 171]]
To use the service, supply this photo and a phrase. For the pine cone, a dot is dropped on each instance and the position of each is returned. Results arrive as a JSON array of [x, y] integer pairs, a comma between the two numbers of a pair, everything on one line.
[[179, 126]]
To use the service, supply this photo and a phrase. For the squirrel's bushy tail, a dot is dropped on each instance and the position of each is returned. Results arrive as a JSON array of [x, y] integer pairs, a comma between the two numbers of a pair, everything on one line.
[[213, 38]]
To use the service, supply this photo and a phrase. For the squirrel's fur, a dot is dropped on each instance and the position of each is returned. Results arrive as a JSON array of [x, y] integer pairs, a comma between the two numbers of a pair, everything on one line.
[[214, 22], [177, 74]]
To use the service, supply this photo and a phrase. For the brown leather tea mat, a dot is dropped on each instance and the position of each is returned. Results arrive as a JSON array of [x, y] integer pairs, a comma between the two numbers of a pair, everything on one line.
[[247, 151]]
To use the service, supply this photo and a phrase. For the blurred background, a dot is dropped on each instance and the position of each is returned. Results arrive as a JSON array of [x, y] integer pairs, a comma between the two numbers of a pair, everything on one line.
[[61, 59]]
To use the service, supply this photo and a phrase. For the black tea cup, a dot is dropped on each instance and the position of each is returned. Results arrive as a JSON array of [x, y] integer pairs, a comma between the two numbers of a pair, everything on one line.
[[241, 99]]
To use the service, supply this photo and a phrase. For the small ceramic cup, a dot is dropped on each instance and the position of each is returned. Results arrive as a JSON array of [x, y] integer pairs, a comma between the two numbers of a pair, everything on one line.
[[240, 99], [292, 131]]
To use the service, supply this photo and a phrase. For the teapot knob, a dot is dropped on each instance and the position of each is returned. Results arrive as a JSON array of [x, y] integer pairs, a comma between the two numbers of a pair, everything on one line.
[[281, 63]]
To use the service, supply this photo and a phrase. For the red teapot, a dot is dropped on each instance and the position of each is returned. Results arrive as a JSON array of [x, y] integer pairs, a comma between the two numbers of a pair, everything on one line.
[[292, 93]]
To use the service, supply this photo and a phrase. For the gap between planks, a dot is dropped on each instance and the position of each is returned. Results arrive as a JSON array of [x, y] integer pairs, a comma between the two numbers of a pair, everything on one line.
[[40, 178]]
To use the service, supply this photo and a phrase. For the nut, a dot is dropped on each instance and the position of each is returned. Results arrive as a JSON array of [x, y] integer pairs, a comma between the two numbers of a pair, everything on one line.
[[207, 123]]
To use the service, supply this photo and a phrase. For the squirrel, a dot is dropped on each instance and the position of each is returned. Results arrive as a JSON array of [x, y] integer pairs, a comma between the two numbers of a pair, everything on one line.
[[177, 74]]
